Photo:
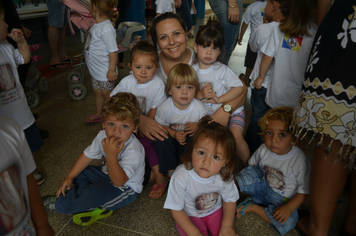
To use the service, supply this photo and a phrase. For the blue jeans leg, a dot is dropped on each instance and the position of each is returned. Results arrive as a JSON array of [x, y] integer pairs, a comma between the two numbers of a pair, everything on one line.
[[184, 12], [259, 108], [93, 189], [231, 31]]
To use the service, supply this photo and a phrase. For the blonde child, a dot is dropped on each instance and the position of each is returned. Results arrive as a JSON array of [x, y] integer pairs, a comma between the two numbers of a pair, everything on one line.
[[180, 113], [101, 53], [278, 174], [219, 84], [202, 194], [118, 181], [149, 90]]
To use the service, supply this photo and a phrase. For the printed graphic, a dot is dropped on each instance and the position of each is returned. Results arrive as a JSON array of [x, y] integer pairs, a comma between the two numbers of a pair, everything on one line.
[[262, 11], [274, 178], [142, 102], [206, 201], [177, 127], [8, 90], [292, 43]]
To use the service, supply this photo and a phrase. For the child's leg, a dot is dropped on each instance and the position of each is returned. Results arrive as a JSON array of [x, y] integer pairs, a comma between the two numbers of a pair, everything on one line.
[[93, 189], [213, 222], [102, 90], [236, 126], [198, 222]]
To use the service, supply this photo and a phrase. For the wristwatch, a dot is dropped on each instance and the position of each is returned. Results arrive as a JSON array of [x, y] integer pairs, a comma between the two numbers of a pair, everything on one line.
[[227, 108]]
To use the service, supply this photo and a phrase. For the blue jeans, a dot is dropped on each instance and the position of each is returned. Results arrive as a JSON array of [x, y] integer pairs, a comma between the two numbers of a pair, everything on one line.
[[231, 31], [184, 12], [93, 189], [251, 180], [259, 108]]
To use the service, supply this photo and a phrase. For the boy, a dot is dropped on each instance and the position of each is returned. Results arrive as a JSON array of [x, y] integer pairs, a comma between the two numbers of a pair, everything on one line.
[[277, 177], [119, 180]]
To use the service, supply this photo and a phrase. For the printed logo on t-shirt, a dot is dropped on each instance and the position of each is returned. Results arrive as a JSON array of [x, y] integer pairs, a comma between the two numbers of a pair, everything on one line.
[[177, 127], [274, 178], [8, 91], [142, 102], [206, 201], [293, 43], [262, 11]]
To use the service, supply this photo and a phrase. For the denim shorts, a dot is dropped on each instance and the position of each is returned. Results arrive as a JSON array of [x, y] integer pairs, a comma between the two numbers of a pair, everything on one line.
[[57, 13], [252, 181]]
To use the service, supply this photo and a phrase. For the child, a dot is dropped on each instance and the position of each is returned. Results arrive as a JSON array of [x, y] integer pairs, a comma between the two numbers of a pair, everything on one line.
[[118, 181], [278, 174], [202, 188], [254, 14], [180, 112], [259, 40], [149, 90], [163, 6], [219, 83], [101, 53]]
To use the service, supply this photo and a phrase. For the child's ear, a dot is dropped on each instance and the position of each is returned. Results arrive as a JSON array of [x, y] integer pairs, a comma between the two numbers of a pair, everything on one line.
[[135, 130], [195, 48], [103, 125], [170, 92], [129, 64]]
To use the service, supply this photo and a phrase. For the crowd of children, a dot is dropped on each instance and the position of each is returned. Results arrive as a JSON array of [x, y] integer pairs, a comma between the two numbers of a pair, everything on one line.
[[198, 162]]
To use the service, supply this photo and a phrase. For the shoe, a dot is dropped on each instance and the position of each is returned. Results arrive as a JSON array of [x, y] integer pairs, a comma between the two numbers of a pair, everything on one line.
[[49, 202], [248, 201], [38, 177], [44, 133], [157, 187], [94, 119], [58, 66], [88, 218]]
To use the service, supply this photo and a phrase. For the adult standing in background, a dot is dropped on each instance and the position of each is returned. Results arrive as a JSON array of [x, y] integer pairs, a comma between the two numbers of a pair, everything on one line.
[[229, 13], [123, 7], [183, 10]]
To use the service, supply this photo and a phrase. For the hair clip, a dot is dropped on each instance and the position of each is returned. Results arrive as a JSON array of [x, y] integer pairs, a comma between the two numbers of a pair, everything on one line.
[[211, 121], [115, 9]]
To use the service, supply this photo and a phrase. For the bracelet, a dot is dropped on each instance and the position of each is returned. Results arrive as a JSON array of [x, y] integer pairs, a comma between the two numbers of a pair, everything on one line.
[[233, 6]]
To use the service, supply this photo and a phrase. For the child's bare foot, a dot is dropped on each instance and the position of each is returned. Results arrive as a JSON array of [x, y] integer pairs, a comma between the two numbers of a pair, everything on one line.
[[152, 177]]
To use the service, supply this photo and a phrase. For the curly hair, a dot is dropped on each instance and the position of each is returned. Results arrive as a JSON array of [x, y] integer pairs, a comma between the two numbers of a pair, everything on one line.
[[284, 114], [220, 136], [106, 8], [124, 106]]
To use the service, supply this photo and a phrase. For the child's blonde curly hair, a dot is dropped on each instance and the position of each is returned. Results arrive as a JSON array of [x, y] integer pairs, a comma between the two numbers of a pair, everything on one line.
[[283, 114]]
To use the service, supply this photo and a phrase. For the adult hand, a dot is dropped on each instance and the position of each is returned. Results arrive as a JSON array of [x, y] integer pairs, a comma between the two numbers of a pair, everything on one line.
[[178, 3], [151, 129], [233, 14]]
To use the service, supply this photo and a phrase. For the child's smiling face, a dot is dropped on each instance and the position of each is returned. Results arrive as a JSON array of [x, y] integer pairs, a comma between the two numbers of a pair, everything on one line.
[[276, 137], [121, 130], [3, 28]]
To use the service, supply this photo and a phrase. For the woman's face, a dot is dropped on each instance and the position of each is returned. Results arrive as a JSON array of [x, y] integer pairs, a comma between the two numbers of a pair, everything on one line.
[[171, 38]]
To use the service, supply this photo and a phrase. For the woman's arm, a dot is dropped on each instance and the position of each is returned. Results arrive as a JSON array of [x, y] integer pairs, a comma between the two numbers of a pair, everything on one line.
[[233, 93], [185, 223], [151, 114], [227, 222], [151, 129]]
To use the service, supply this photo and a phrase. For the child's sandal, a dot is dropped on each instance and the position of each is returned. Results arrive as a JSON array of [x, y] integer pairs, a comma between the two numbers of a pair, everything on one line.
[[88, 218], [157, 187]]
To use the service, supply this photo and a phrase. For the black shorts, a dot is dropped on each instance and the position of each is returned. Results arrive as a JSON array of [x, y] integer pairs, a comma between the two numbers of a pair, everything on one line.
[[33, 137], [250, 57]]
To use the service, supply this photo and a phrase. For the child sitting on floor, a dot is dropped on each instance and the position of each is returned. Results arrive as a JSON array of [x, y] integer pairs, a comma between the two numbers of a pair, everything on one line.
[[277, 177], [118, 181]]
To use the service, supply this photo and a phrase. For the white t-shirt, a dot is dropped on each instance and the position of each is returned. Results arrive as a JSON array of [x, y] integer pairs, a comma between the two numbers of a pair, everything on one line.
[[291, 58], [16, 163], [168, 114], [258, 40], [222, 79], [131, 159], [102, 42], [163, 6], [160, 72], [254, 14], [149, 95], [13, 100], [199, 197], [286, 174]]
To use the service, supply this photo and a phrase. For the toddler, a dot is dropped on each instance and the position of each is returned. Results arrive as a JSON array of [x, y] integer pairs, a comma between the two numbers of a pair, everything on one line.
[[149, 90], [118, 181], [101, 53], [202, 194], [277, 177]]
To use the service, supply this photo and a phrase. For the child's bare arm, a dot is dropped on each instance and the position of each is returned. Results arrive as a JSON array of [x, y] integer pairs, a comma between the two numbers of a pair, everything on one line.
[[206, 92], [190, 128], [18, 36], [82, 163], [38, 212], [265, 64], [242, 32], [228, 219], [282, 213], [151, 114], [111, 75], [185, 223], [233, 93], [116, 173]]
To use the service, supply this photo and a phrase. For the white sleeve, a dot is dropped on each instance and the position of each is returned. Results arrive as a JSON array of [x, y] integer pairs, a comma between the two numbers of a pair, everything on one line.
[[231, 79], [303, 178], [254, 39], [255, 158], [270, 47], [160, 117], [159, 94], [19, 60], [247, 15], [176, 192], [94, 151], [119, 88], [230, 192], [130, 162], [109, 39]]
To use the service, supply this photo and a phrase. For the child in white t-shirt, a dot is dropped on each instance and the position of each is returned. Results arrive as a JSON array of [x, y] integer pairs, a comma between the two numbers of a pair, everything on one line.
[[118, 181], [149, 90], [180, 113], [163, 6], [277, 177], [218, 83], [202, 194]]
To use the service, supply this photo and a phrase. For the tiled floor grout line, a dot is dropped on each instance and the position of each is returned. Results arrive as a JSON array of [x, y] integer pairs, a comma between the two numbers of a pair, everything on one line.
[[123, 229], [64, 226]]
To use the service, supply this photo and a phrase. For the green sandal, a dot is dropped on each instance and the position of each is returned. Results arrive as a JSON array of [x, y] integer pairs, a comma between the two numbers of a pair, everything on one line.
[[88, 218]]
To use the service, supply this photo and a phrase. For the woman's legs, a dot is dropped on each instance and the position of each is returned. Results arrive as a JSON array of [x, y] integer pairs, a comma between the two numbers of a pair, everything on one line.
[[242, 148], [350, 219]]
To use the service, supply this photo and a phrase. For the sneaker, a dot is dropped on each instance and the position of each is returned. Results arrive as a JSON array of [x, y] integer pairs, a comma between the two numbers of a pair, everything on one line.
[[49, 202], [39, 177]]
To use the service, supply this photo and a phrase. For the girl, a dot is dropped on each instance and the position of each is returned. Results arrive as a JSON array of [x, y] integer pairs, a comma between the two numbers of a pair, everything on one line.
[[202, 194], [219, 83], [149, 90], [180, 113], [101, 53]]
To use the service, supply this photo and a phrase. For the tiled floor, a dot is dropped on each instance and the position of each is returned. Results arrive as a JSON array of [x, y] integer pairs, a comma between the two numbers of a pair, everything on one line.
[[65, 118]]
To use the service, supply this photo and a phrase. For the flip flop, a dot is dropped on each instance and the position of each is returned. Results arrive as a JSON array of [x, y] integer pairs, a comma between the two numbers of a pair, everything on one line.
[[88, 218], [56, 66], [248, 201], [157, 187], [94, 119], [74, 60]]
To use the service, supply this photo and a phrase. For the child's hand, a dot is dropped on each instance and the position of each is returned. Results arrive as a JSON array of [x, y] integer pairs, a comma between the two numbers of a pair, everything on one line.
[[111, 148], [190, 128], [258, 83], [227, 231], [111, 76], [17, 35], [208, 91], [67, 183], [239, 41], [282, 213], [181, 137], [214, 100]]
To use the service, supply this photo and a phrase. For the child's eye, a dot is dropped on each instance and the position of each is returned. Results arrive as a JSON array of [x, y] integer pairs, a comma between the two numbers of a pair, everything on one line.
[[190, 87], [282, 135], [178, 86], [200, 152], [216, 158], [215, 49], [138, 67], [125, 126], [111, 124], [268, 133], [204, 47], [149, 67]]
